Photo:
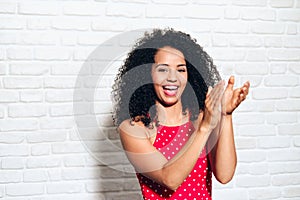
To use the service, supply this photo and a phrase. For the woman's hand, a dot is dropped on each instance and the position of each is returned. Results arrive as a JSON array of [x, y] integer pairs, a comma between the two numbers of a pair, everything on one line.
[[232, 98], [210, 117]]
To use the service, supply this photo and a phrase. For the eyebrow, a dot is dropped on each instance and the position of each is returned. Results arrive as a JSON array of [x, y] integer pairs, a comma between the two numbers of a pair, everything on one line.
[[163, 64]]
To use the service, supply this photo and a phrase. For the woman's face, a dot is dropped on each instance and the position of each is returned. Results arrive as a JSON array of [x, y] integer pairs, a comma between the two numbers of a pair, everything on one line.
[[169, 75]]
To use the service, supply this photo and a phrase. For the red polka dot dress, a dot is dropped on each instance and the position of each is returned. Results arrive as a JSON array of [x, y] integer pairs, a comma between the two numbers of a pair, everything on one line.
[[169, 141]]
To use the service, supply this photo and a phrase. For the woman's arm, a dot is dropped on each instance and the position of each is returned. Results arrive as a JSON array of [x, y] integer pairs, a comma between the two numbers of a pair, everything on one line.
[[149, 161], [223, 155]]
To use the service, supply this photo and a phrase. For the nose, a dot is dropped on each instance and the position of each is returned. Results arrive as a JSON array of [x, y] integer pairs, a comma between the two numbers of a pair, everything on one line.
[[172, 76]]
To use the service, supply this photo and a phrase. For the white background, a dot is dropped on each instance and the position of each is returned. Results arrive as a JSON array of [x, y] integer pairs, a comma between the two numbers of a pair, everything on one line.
[[43, 45]]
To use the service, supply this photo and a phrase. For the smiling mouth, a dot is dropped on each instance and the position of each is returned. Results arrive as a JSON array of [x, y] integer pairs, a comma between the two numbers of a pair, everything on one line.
[[170, 90]]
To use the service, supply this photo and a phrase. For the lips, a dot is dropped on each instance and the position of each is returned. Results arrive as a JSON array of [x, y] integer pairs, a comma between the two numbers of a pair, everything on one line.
[[170, 90]]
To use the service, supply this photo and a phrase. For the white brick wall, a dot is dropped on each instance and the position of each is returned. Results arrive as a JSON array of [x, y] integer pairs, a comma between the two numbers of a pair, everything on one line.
[[43, 45]]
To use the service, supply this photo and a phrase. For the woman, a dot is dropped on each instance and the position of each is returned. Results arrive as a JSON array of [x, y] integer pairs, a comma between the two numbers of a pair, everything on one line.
[[174, 117]]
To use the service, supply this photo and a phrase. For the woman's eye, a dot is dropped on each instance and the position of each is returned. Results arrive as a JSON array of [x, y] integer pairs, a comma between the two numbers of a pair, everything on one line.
[[181, 70], [162, 70]]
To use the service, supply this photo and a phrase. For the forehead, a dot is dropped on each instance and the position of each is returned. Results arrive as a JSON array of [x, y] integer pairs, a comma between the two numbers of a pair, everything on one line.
[[166, 53]]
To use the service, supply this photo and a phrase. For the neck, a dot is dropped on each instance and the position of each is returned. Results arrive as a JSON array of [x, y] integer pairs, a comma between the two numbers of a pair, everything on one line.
[[170, 115]]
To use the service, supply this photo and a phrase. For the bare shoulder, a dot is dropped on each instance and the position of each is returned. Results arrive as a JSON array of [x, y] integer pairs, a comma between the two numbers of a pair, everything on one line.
[[135, 129]]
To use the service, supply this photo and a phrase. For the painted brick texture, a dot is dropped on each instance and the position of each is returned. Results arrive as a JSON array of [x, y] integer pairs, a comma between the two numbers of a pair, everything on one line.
[[44, 46]]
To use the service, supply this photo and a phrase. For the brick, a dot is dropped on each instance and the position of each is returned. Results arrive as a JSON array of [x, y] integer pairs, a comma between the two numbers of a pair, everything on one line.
[[24, 189], [274, 142], [22, 82], [8, 38], [8, 7], [223, 54], [289, 15], [28, 68], [253, 181], [68, 39], [103, 108], [43, 162], [10, 23], [258, 14], [294, 68], [43, 8], [283, 155], [94, 39], [38, 39], [34, 176], [60, 82], [232, 13], [255, 118], [104, 186], [74, 161], [64, 187], [273, 41], [255, 81], [83, 174], [132, 11], [220, 40], [71, 23], [38, 23], [286, 179], [289, 129], [26, 110], [251, 130], [269, 93], [67, 69], [245, 41], [61, 148], [288, 105], [7, 96], [297, 142], [89, 9], [20, 53], [286, 167], [31, 96], [267, 28], [230, 26], [260, 168], [10, 163], [246, 156], [13, 150], [18, 124], [162, 11], [47, 136], [63, 95], [256, 55], [281, 118], [258, 3], [292, 191], [295, 92], [278, 68], [89, 134], [281, 81], [286, 55], [11, 138], [252, 69], [52, 54], [204, 12], [291, 29], [282, 4], [54, 174], [264, 193], [245, 143], [171, 2], [10, 176], [40, 149], [291, 42], [56, 123], [105, 25], [233, 194]]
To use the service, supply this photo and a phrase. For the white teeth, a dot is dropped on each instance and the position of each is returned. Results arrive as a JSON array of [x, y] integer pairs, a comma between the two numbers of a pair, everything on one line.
[[170, 87]]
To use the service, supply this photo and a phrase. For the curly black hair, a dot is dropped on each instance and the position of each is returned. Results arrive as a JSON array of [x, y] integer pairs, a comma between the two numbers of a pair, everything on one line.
[[133, 90]]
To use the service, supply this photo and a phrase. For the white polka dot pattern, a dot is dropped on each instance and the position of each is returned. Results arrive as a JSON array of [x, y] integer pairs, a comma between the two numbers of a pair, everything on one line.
[[197, 185]]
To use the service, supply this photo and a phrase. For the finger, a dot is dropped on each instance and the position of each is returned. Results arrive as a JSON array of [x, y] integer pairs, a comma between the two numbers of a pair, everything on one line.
[[230, 83]]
